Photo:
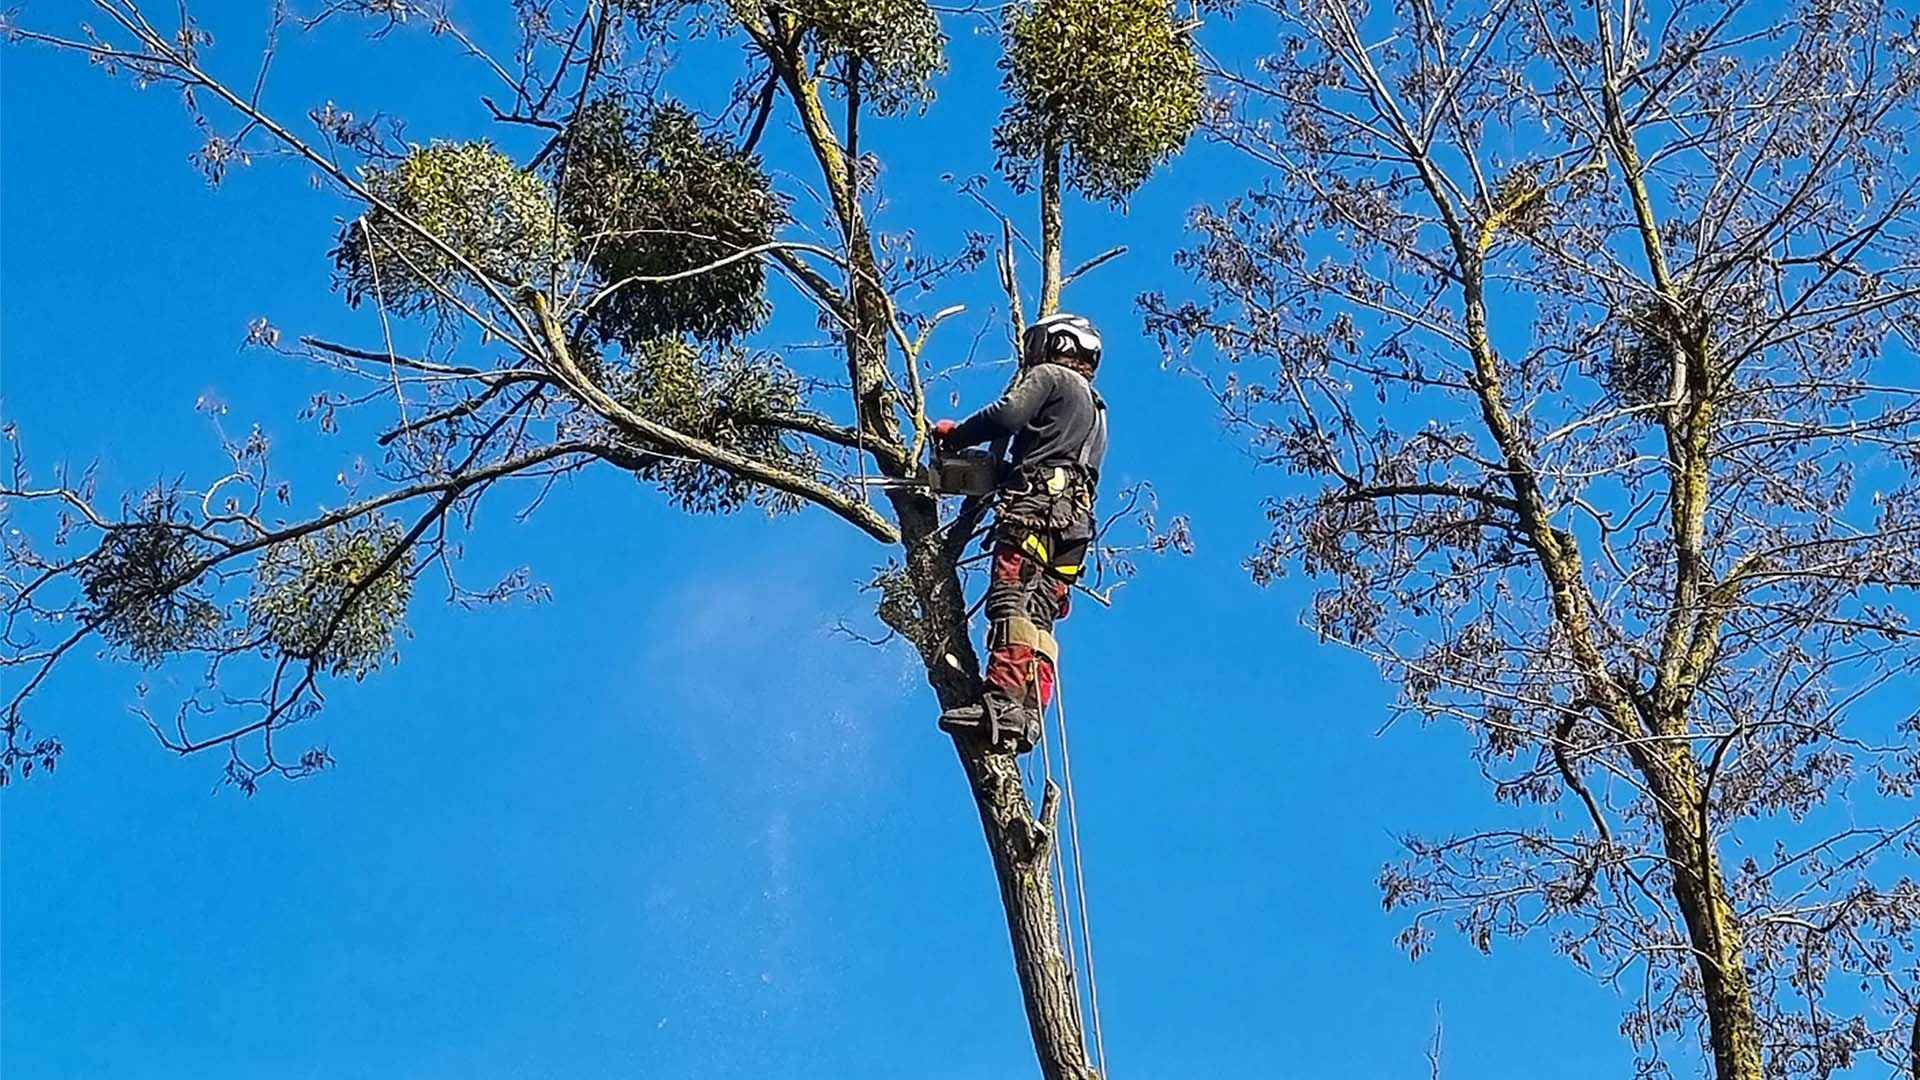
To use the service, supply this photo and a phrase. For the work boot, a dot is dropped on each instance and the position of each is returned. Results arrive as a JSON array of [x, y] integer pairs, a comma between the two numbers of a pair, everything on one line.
[[1001, 723], [963, 719]]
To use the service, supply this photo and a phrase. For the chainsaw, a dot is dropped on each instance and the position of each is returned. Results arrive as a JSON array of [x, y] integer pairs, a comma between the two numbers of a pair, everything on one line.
[[970, 472]]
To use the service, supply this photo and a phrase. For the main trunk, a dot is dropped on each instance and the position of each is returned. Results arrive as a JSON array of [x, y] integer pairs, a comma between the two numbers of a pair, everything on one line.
[[1719, 950], [1026, 892], [1015, 840]]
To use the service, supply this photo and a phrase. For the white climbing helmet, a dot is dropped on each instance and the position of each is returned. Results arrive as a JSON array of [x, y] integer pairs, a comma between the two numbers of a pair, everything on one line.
[[1061, 335]]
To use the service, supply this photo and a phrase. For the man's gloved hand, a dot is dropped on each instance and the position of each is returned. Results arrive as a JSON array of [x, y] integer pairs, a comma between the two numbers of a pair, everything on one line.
[[943, 429]]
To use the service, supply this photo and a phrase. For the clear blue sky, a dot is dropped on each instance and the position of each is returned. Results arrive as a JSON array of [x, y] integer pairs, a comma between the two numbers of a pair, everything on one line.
[[669, 825]]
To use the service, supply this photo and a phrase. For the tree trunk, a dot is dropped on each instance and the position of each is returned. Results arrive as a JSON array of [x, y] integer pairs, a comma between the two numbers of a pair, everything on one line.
[[1719, 949], [1016, 841], [1050, 229], [1026, 892]]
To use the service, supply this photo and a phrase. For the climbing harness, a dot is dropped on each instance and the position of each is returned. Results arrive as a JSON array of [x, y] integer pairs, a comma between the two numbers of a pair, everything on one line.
[[1053, 496]]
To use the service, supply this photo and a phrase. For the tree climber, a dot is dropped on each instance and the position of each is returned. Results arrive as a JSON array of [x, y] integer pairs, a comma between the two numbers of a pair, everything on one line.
[[1043, 523]]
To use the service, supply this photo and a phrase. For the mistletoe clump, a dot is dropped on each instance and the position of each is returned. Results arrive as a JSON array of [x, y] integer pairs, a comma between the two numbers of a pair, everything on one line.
[[323, 597], [899, 42], [650, 195], [727, 401], [1647, 342], [1113, 83], [137, 585], [496, 216]]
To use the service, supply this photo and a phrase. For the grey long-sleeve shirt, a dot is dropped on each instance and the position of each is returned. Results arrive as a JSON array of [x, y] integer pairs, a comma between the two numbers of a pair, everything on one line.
[[1052, 413]]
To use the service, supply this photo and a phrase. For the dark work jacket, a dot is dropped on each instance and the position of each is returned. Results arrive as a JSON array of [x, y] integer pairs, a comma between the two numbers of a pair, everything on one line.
[[1054, 417]]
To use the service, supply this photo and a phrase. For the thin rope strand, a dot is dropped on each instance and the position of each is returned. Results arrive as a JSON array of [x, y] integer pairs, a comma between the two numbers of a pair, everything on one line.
[[1079, 880], [386, 332]]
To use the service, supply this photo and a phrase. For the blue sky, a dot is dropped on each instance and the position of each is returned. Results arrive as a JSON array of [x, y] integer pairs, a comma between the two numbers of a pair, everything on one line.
[[670, 824]]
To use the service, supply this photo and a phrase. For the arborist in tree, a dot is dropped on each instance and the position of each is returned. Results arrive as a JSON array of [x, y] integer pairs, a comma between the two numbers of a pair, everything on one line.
[[1043, 521]]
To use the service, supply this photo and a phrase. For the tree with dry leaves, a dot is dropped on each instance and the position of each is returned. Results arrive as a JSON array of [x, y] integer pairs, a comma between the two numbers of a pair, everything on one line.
[[597, 300], [1588, 332]]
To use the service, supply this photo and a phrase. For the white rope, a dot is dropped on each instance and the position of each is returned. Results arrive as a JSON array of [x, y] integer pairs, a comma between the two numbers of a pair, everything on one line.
[[1079, 879]]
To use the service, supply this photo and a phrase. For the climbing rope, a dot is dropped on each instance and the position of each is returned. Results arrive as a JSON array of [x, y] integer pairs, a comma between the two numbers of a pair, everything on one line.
[[1079, 878]]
